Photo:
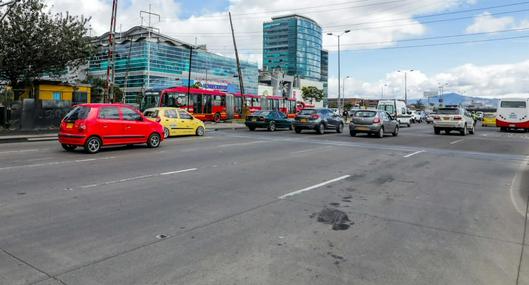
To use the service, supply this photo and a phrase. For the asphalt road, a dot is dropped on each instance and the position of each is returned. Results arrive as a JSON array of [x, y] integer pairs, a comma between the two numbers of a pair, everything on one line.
[[240, 207]]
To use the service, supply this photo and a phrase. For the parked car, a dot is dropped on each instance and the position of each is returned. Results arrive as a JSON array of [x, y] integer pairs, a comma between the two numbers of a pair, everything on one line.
[[175, 122], [93, 126], [318, 119], [373, 122], [453, 119], [489, 120], [270, 120]]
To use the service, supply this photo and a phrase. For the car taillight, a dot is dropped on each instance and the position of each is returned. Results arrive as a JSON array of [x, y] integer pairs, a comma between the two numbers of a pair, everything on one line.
[[457, 118], [436, 117], [376, 120], [314, 116], [158, 119]]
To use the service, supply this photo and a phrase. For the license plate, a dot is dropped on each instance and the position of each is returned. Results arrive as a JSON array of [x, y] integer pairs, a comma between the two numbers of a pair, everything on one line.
[[303, 120], [362, 128], [254, 120], [446, 118], [69, 125], [512, 125]]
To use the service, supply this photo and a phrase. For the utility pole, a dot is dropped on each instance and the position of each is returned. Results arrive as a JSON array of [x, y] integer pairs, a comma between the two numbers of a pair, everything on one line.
[[241, 83], [149, 28], [339, 62], [109, 94], [406, 84]]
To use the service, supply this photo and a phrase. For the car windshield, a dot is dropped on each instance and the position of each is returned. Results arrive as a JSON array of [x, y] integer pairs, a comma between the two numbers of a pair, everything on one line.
[[261, 113], [513, 104], [365, 114], [78, 113], [448, 111], [307, 112]]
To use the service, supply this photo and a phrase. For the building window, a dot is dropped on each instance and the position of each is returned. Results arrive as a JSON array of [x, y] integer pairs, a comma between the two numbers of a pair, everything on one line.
[[79, 97], [57, 96]]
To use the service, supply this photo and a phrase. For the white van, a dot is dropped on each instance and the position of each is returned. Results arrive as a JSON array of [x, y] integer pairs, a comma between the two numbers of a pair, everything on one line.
[[397, 109], [513, 113]]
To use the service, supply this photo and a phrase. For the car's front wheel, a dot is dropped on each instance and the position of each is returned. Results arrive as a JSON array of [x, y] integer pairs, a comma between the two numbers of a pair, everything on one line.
[[68, 147], [154, 140], [437, 131], [272, 126], [352, 133], [395, 132], [251, 129], [321, 129], [339, 129], [297, 130], [200, 131], [92, 145]]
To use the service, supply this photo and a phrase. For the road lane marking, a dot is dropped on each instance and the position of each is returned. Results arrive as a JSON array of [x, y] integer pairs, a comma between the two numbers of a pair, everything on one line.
[[134, 178], [178, 171], [54, 163], [19, 151], [458, 141], [313, 187], [240, 144], [414, 153]]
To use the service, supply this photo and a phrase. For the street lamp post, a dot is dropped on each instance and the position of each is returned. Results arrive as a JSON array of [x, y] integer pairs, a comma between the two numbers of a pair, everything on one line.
[[382, 90], [406, 84], [343, 89], [441, 91], [339, 75]]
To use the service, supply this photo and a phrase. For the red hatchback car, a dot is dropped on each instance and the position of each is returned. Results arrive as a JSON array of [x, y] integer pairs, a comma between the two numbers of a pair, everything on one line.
[[95, 125]]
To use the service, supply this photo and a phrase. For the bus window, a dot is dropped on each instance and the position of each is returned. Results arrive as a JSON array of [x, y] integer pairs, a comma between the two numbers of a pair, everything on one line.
[[174, 100], [256, 102], [248, 102], [217, 100], [150, 100], [513, 104], [238, 105], [197, 103]]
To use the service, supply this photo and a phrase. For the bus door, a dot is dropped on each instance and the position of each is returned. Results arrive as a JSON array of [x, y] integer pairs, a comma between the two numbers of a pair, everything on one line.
[[207, 104], [197, 103]]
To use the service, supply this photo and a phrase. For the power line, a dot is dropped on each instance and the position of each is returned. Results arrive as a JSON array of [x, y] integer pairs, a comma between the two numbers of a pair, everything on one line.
[[380, 27]]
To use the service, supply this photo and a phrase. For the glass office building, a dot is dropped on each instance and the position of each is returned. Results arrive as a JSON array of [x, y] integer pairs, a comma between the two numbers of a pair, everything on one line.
[[294, 44], [145, 59]]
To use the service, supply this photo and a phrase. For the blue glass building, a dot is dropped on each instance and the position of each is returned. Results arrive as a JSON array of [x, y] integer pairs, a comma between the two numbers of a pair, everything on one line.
[[293, 43], [145, 59]]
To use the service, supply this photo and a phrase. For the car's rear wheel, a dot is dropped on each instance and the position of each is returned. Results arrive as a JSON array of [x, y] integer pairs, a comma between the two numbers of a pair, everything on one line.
[[200, 131], [352, 133], [290, 128], [380, 133], [153, 141], [408, 125], [297, 130], [339, 129], [272, 126], [395, 132], [321, 129], [251, 129], [166, 132], [437, 131], [68, 147], [92, 145]]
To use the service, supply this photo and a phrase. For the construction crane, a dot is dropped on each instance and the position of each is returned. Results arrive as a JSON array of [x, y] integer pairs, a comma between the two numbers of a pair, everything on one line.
[[111, 65]]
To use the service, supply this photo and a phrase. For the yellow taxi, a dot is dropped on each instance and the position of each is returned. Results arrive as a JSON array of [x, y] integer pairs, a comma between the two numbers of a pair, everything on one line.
[[489, 120], [175, 122]]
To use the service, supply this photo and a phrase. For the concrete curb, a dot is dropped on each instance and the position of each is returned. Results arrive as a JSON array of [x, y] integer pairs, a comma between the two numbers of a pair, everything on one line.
[[35, 138]]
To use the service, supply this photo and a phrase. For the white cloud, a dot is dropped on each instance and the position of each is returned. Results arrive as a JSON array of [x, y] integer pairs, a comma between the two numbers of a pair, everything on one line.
[[492, 81], [486, 23], [368, 21]]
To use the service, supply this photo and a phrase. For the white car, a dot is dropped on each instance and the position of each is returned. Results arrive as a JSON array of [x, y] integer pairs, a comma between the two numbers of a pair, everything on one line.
[[450, 119], [416, 117]]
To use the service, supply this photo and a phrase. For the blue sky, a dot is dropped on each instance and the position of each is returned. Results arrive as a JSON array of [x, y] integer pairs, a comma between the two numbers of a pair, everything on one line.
[[491, 69]]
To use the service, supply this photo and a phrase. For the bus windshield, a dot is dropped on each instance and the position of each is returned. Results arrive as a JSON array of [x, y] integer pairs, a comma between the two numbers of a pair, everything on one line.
[[513, 104], [150, 100]]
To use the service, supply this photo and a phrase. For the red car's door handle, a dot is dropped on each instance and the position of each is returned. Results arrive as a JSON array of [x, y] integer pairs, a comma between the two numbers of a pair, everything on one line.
[[105, 126]]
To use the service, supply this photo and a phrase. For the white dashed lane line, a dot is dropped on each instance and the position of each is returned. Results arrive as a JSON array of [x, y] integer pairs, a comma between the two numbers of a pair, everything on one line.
[[313, 187], [414, 153], [128, 179], [457, 141]]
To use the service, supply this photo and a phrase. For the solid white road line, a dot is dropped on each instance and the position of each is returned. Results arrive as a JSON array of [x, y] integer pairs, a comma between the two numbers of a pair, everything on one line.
[[458, 141], [414, 153], [313, 187]]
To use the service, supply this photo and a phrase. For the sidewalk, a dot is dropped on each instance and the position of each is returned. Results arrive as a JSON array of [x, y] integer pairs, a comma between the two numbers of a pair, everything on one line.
[[51, 135]]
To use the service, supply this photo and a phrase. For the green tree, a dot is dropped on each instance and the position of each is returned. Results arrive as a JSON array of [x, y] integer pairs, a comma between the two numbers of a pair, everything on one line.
[[34, 42], [98, 88], [196, 85], [311, 93], [348, 106]]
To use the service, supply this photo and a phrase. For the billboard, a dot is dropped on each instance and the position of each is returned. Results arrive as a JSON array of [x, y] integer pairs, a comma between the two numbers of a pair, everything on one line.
[[429, 94]]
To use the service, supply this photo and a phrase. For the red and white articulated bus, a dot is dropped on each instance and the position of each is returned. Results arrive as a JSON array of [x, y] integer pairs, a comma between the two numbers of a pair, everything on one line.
[[214, 105], [513, 113]]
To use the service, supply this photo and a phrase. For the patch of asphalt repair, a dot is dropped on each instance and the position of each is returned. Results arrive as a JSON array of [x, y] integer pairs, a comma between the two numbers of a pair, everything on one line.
[[338, 219]]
